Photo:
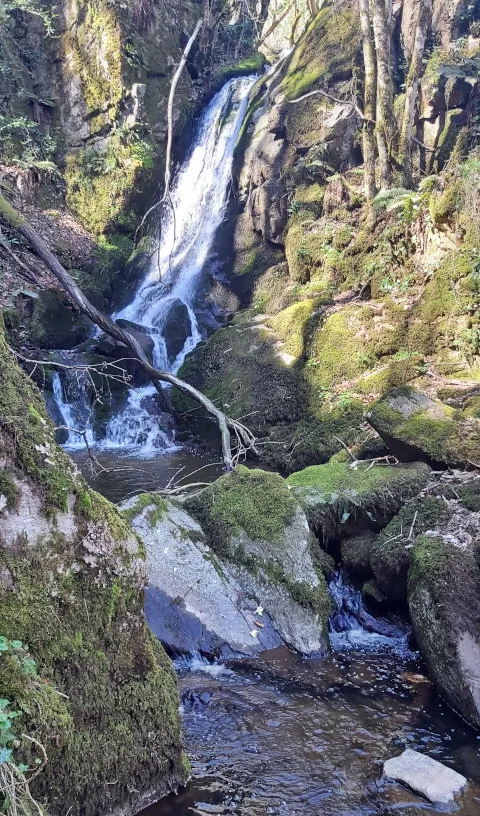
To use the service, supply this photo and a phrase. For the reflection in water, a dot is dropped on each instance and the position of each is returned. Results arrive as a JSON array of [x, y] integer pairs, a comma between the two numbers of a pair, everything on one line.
[[288, 736]]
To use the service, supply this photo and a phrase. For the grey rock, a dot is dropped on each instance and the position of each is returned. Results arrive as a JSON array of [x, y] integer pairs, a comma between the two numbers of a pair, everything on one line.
[[197, 602], [176, 328], [427, 777]]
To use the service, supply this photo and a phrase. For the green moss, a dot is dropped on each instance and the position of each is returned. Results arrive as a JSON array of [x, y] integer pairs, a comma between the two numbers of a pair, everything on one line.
[[337, 497], [429, 429], [326, 52], [8, 489], [291, 325], [119, 719], [93, 52], [391, 552], [470, 495], [154, 502], [254, 501], [108, 178], [253, 64]]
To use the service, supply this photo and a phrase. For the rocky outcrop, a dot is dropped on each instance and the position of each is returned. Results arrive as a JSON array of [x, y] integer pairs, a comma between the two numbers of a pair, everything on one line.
[[237, 572], [414, 426], [79, 666], [341, 500]]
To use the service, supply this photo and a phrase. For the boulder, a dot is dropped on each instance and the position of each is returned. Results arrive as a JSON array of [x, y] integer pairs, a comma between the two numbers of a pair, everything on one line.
[[426, 776], [415, 426], [340, 500], [232, 570], [176, 329], [355, 552], [444, 603], [391, 551]]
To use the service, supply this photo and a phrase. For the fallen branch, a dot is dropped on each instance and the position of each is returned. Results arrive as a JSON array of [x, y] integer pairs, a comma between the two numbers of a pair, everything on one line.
[[335, 99], [244, 437]]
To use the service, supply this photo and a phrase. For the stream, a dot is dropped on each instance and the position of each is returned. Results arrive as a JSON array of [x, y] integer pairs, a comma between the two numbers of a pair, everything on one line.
[[280, 734]]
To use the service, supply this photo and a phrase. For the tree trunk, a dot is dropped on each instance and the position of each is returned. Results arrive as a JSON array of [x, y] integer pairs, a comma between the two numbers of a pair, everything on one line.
[[386, 127], [243, 436], [369, 105], [424, 17]]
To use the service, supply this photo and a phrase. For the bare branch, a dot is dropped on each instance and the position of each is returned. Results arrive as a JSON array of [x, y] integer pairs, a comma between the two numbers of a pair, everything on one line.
[[319, 92]]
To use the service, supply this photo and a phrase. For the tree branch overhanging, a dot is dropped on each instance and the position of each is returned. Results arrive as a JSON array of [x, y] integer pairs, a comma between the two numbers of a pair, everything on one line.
[[244, 438]]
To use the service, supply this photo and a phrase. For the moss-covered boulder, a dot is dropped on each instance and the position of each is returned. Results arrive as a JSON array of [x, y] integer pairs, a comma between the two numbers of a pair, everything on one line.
[[443, 598], [254, 525], [414, 426], [391, 551], [101, 697], [341, 500]]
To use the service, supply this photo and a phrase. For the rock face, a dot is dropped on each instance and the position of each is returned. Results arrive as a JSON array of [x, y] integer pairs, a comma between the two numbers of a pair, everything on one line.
[[425, 776], [248, 547], [102, 697], [414, 426]]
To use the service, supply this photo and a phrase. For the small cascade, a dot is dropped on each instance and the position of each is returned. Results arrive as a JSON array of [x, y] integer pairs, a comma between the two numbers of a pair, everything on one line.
[[75, 415], [353, 627]]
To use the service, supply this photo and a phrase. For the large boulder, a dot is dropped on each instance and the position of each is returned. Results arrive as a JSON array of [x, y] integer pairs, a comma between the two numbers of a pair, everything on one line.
[[415, 426], [341, 500], [444, 603], [93, 686], [176, 328], [236, 566]]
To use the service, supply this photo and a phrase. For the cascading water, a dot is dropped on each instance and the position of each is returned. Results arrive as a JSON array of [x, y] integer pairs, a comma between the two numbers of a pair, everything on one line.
[[73, 414], [353, 627], [165, 303]]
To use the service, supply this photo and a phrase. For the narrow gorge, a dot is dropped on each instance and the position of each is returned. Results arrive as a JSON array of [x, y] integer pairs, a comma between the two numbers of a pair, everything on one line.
[[239, 407]]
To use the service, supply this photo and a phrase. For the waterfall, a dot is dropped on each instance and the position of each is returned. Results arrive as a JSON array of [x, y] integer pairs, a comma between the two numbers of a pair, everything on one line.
[[73, 415], [353, 627], [164, 305]]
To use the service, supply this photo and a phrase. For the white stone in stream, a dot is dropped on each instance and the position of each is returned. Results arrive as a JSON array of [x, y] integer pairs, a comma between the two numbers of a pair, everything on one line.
[[425, 776]]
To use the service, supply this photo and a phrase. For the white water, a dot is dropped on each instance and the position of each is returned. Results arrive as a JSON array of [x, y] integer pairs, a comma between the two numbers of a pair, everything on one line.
[[165, 301], [70, 417]]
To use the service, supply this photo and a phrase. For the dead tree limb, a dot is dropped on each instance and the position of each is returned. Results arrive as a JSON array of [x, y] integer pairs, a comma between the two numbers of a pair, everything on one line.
[[171, 97], [318, 92], [244, 437]]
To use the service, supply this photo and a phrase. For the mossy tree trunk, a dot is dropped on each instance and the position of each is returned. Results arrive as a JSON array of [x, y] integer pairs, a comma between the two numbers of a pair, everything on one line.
[[370, 99], [424, 18]]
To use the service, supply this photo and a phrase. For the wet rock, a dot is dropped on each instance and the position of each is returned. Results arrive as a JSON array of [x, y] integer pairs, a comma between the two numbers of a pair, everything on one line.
[[443, 599], [427, 777], [355, 552], [176, 328], [414, 426], [115, 350]]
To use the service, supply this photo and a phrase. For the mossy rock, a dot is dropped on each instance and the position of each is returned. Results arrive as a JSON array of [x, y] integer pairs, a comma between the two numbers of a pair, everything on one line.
[[340, 500], [391, 551], [71, 588], [251, 519], [239, 368], [443, 598], [414, 426], [355, 552]]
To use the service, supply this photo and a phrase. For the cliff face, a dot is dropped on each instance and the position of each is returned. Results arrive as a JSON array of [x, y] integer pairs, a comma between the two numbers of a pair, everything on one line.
[[101, 697], [343, 301]]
